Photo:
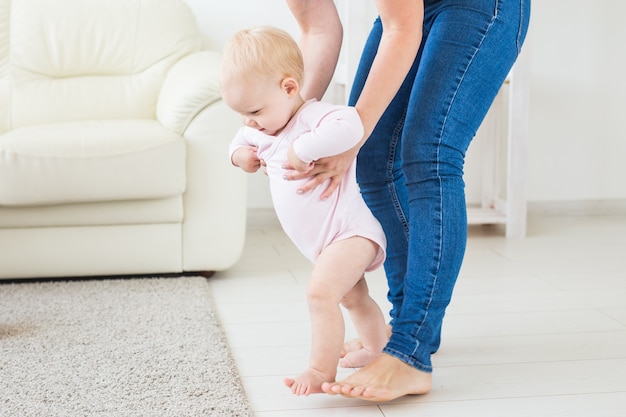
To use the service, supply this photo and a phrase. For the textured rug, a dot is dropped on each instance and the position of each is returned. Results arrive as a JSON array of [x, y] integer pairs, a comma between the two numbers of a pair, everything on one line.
[[115, 347]]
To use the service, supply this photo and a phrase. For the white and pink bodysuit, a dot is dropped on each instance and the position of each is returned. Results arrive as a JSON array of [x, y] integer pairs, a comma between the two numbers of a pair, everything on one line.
[[321, 129]]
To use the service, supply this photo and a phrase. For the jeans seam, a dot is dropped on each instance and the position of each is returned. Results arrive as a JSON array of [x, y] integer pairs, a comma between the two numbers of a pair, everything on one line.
[[520, 28], [395, 138]]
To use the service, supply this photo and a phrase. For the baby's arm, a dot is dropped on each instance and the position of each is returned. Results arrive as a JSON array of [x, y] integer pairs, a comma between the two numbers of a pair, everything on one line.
[[246, 158], [243, 152], [297, 163], [337, 131]]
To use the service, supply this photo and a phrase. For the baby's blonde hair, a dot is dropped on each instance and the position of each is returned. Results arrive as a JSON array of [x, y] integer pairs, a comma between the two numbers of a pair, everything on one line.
[[265, 51]]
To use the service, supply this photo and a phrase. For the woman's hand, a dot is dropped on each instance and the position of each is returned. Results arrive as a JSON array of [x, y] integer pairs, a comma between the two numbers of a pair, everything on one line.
[[296, 163], [333, 167]]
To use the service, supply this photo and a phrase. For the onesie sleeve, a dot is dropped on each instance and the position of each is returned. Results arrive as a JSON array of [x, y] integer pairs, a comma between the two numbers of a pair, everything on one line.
[[239, 141], [337, 130]]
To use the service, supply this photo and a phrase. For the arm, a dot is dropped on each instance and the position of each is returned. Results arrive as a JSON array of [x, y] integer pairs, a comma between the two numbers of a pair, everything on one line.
[[397, 50], [246, 158], [298, 164], [243, 153], [320, 42], [402, 22], [335, 131]]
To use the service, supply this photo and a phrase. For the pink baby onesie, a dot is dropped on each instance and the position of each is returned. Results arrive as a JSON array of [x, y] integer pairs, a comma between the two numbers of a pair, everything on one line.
[[318, 129]]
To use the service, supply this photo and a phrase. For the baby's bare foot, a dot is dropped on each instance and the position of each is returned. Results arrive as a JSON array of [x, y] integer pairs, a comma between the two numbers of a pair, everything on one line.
[[355, 344], [358, 358], [308, 382], [350, 346]]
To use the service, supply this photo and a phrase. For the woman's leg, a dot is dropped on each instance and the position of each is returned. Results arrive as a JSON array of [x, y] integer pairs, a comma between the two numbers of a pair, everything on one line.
[[468, 48], [380, 175]]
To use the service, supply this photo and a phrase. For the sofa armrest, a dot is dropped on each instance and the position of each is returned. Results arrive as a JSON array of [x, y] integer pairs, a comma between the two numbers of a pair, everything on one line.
[[215, 204], [191, 85]]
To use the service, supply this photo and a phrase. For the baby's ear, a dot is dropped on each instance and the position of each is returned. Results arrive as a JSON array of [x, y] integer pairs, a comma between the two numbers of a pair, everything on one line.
[[290, 86]]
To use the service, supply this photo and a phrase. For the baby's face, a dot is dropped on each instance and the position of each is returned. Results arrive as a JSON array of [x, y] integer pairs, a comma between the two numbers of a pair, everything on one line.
[[263, 103]]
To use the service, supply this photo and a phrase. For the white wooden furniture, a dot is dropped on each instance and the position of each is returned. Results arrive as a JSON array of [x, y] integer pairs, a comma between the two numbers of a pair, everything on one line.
[[504, 154]]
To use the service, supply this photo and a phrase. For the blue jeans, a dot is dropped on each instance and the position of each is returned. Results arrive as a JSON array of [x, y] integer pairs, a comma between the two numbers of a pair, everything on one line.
[[410, 170]]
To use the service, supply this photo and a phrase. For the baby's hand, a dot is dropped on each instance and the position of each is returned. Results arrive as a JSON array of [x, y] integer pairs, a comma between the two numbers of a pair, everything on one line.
[[298, 164], [247, 159]]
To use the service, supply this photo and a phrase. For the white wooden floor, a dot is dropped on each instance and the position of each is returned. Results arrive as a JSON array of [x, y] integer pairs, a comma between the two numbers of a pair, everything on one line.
[[537, 327]]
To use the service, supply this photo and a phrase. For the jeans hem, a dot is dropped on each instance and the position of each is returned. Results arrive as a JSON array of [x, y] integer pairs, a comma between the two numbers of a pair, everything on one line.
[[408, 360]]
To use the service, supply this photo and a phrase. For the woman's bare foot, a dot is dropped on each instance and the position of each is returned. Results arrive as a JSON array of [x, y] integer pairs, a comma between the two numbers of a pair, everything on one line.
[[308, 382], [384, 379], [358, 358]]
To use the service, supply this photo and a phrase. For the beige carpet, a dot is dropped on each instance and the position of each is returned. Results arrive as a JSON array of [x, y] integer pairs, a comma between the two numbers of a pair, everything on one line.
[[116, 347]]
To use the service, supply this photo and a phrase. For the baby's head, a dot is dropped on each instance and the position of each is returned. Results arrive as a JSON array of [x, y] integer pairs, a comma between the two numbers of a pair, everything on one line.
[[262, 71], [266, 52]]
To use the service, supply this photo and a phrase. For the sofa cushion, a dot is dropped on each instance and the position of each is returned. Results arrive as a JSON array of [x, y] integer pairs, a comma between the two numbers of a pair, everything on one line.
[[89, 161], [101, 213]]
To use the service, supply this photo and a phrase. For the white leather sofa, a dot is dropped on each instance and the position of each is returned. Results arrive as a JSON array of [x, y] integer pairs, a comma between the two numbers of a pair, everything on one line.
[[113, 142]]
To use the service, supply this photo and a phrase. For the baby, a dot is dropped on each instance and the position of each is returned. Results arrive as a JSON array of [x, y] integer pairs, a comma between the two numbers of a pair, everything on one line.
[[261, 78]]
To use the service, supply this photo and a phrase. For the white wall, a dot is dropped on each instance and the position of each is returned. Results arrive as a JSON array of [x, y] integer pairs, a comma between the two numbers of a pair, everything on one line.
[[577, 140], [578, 112]]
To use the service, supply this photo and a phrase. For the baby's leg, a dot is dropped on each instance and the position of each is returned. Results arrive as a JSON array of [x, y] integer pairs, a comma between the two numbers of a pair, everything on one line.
[[337, 270], [370, 326]]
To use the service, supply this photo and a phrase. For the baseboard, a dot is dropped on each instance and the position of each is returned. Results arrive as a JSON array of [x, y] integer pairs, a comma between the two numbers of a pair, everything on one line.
[[265, 216], [262, 216], [615, 207]]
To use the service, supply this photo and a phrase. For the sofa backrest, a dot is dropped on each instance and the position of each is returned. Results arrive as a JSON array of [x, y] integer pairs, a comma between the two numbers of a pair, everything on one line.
[[88, 59]]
